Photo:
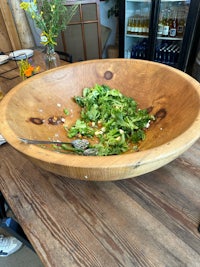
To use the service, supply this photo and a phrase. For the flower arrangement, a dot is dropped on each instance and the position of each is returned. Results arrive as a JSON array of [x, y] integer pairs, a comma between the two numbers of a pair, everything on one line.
[[27, 70], [50, 16]]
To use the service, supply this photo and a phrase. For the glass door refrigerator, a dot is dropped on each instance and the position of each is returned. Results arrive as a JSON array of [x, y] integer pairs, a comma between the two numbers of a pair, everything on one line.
[[165, 31]]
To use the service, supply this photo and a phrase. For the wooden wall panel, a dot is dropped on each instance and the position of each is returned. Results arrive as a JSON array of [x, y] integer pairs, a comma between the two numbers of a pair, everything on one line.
[[9, 39], [5, 44], [22, 25]]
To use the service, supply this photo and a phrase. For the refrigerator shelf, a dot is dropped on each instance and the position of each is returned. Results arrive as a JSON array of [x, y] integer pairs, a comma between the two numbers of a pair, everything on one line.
[[182, 21], [137, 36], [159, 37], [170, 38]]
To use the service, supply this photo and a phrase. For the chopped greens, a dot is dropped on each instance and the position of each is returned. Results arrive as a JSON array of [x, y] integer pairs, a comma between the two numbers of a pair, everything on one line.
[[112, 118], [66, 111]]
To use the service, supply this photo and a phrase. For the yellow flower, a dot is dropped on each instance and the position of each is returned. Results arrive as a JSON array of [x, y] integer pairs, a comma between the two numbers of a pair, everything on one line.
[[25, 6], [50, 16], [37, 69]]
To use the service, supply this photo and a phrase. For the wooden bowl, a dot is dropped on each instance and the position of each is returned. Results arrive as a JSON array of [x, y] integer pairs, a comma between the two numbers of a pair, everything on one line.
[[173, 95]]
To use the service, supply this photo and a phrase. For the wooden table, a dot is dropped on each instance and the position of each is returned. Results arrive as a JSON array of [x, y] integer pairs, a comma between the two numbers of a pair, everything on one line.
[[9, 72], [150, 220]]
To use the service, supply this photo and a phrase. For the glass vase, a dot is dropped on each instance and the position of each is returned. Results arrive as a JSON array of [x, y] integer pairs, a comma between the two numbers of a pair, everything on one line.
[[51, 58]]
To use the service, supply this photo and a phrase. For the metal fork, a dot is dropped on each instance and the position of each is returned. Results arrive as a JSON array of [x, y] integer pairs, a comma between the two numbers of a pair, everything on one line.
[[40, 142], [79, 145]]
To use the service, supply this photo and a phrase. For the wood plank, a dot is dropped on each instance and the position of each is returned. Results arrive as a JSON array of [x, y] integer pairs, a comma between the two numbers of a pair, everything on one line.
[[22, 25], [10, 25], [5, 44]]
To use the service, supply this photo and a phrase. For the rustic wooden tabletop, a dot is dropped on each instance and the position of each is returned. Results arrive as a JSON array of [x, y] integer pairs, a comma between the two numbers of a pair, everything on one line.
[[150, 220], [9, 72]]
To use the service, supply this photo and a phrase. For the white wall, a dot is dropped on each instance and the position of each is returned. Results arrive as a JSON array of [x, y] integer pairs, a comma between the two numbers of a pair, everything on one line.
[[108, 22]]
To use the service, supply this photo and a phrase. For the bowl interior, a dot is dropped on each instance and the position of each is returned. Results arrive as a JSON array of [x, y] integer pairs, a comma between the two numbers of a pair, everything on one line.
[[164, 90], [170, 94]]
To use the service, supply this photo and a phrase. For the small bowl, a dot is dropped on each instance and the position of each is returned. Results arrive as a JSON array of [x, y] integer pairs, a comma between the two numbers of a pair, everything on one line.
[[172, 95]]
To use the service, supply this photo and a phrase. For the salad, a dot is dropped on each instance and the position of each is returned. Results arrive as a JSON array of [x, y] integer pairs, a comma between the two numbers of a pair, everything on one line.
[[110, 120]]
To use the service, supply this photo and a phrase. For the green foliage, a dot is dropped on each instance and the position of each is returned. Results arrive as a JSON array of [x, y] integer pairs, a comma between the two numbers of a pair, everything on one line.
[[114, 10], [114, 119], [50, 16]]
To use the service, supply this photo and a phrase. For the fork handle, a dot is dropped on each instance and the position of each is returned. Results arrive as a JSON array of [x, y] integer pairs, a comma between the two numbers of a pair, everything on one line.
[[40, 142]]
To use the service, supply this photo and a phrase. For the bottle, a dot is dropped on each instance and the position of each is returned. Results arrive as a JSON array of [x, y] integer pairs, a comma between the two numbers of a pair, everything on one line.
[[160, 23], [145, 25], [173, 26], [166, 21], [181, 24], [143, 32], [133, 25], [173, 54], [129, 26], [169, 51], [140, 25], [137, 22], [128, 53]]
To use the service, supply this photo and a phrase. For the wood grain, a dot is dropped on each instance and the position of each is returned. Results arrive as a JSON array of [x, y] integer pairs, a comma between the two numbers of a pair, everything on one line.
[[150, 220], [22, 25], [5, 42], [10, 28]]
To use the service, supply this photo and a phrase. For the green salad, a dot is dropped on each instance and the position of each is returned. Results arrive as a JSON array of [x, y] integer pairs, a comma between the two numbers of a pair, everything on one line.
[[111, 121]]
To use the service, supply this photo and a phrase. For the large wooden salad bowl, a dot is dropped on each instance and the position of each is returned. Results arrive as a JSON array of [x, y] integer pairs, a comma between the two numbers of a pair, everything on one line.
[[172, 95]]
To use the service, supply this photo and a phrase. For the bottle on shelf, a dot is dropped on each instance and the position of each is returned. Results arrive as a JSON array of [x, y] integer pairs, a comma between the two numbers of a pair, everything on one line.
[[139, 26], [160, 23], [139, 51], [137, 22], [181, 23], [166, 22], [167, 52], [145, 13], [133, 25], [129, 25], [173, 24], [145, 24]]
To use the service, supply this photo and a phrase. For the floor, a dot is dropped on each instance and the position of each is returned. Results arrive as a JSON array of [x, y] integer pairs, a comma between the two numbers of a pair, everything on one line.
[[22, 258]]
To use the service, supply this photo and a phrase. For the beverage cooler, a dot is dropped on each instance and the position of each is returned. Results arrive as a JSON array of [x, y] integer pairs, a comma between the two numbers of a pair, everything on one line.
[[165, 31]]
